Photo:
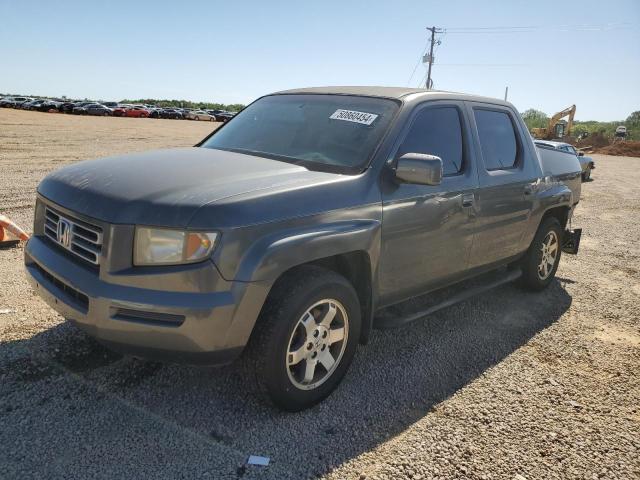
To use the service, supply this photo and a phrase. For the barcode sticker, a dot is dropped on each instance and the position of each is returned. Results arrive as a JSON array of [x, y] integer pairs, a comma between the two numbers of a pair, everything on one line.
[[353, 116]]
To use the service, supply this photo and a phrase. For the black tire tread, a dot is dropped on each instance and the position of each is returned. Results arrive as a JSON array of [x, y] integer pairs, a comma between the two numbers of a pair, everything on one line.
[[283, 297], [529, 263]]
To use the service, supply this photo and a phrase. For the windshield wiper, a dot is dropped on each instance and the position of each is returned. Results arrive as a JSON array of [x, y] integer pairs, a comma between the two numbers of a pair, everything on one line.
[[308, 164], [273, 156]]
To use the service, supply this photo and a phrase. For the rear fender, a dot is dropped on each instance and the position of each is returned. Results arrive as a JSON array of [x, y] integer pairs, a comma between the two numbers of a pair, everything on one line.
[[556, 195]]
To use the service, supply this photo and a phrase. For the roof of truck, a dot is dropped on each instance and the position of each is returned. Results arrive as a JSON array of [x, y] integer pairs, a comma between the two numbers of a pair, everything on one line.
[[388, 92]]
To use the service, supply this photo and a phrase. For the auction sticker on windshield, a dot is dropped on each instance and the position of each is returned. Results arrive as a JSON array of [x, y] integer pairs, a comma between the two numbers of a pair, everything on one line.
[[353, 116]]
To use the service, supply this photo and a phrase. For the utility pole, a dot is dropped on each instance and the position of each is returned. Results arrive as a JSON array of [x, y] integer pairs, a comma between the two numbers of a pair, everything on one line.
[[429, 58]]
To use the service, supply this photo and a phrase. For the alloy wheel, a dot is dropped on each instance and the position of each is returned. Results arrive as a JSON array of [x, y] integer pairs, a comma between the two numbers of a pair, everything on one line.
[[317, 344], [550, 249]]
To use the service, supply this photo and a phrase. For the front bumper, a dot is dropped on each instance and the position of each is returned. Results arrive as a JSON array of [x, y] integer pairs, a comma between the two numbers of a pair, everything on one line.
[[136, 313]]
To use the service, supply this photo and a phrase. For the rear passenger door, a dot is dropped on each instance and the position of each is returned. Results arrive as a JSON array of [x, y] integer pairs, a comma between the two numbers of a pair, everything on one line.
[[427, 231], [507, 176]]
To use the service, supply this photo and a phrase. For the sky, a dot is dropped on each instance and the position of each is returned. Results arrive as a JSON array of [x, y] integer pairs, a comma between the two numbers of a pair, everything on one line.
[[550, 54]]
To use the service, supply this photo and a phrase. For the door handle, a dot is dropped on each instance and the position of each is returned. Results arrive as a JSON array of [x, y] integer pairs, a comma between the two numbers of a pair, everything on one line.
[[467, 200]]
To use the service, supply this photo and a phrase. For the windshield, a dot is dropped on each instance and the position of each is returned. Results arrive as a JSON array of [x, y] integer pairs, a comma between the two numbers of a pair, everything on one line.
[[326, 132]]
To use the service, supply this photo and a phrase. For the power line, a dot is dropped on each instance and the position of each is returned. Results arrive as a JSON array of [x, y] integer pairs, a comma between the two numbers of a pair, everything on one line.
[[486, 64], [422, 80], [433, 44], [532, 28], [424, 50]]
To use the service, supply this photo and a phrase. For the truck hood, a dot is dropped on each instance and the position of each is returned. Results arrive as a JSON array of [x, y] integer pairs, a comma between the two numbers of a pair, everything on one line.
[[168, 187]]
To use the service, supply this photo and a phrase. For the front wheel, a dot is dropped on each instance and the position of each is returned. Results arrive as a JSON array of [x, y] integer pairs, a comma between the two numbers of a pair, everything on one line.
[[540, 263], [586, 175], [306, 337]]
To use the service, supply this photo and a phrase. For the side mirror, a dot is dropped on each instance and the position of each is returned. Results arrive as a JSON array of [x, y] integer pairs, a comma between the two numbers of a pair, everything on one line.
[[419, 168], [581, 154]]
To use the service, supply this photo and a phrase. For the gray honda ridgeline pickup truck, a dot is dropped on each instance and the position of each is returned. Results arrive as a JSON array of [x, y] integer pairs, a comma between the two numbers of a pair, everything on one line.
[[285, 231]]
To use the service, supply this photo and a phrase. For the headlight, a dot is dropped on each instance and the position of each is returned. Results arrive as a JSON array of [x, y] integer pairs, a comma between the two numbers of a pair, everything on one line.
[[156, 246]]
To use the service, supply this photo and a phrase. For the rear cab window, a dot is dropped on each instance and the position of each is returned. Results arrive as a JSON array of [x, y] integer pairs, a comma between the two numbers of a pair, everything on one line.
[[498, 139]]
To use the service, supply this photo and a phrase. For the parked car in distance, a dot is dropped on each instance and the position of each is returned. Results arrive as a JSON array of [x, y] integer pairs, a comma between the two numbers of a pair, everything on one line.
[[121, 110], [98, 109], [14, 102], [200, 115], [136, 111], [19, 102], [221, 115], [67, 106], [282, 234], [41, 105], [26, 105], [49, 105], [586, 163], [78, 108], [110, 105], [154, 112], [171, 113], [29, 103]]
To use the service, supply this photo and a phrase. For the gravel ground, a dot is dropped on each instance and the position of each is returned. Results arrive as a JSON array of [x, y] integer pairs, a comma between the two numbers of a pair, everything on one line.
[[508, 385]]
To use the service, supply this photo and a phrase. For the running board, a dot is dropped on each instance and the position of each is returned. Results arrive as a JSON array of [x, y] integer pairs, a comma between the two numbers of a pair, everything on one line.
[[394, 316]]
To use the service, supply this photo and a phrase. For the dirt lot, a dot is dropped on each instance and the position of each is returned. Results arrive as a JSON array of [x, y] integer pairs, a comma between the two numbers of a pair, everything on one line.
[[510, 385]]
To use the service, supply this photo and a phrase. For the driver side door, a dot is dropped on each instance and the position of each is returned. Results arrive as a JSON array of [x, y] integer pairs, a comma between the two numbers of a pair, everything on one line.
[[427, 231]]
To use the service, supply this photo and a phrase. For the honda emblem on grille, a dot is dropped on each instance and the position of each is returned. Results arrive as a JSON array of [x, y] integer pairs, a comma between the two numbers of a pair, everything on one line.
[[64, 233]]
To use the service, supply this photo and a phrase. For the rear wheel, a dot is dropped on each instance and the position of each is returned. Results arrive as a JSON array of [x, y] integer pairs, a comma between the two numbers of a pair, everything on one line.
[[306, 337], [540, 263]]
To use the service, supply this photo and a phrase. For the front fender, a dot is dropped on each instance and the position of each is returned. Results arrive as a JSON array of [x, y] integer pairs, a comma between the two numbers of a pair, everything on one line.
[[273, 254], [276, 252]]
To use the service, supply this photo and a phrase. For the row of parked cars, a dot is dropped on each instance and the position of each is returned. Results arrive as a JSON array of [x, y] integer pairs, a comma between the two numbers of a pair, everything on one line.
[[114, 109]]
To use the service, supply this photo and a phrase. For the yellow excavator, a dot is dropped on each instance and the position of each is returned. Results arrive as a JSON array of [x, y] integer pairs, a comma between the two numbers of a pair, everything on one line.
[[555, 128]]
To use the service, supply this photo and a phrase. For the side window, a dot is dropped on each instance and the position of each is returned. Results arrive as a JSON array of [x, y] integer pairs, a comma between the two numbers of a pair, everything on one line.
[[497, 139], [437, 131]]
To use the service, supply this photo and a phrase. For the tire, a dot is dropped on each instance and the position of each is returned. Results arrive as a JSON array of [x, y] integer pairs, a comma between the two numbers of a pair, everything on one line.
[[537, 273], [586, 175], [307, 293]]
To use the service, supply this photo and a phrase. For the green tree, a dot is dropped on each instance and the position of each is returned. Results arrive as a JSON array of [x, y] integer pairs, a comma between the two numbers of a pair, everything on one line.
[[535, 118], [633, 120]]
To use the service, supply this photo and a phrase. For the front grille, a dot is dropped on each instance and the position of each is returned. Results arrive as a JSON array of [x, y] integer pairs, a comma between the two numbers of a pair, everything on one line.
[[79, 238], [79, 299]]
